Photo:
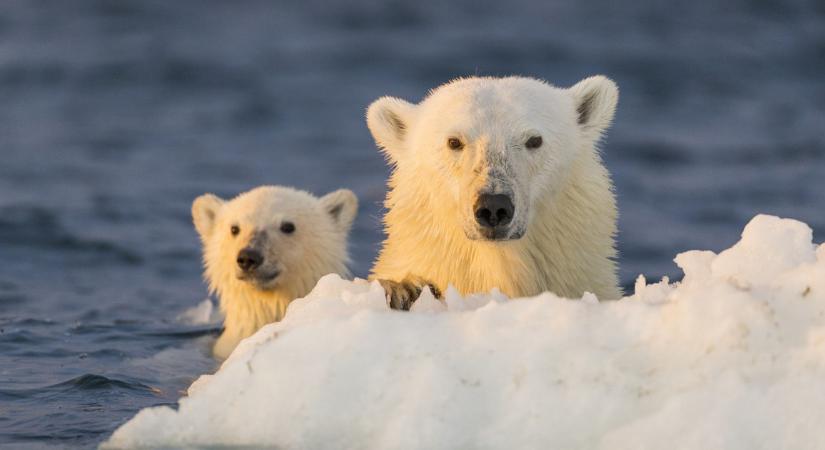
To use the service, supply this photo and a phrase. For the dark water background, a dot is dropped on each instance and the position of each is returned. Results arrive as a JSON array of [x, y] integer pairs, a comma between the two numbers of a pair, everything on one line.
[[114, 115]]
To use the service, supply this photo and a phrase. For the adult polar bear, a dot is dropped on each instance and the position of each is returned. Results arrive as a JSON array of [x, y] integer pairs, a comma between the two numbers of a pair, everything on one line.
[[498, 183]]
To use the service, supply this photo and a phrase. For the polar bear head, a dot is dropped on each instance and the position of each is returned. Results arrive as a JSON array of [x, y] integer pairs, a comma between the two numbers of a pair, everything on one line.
[[273, 238], [490, 149]]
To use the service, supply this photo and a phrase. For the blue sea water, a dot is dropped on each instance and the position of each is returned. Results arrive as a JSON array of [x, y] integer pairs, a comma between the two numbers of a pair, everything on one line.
[[115, 115]]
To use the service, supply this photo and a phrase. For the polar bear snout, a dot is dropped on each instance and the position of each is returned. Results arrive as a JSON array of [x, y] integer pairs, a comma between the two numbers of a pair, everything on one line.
[[249, 259], [494, 210], [253, 266], [493, 213]]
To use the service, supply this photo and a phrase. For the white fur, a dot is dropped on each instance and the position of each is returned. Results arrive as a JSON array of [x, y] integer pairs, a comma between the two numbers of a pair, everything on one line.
[[318, 246], [565, 211]]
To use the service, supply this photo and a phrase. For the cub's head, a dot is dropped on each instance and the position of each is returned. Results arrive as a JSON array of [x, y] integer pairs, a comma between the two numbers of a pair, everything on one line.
[[490, 148], [273, 237]]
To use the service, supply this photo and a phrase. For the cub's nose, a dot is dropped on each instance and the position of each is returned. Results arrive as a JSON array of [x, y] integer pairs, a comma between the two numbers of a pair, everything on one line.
[[249, 259], [494, 210]]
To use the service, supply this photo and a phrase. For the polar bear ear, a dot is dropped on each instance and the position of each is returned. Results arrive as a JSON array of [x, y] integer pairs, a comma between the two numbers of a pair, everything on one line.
[[595, 99], [342, 206], [388, 119], [204, 210]]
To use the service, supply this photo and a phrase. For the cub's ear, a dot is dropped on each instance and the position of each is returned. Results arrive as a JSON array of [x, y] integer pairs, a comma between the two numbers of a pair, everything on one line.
[[342, 206], [388, 119], [204, 210], [595, 99]]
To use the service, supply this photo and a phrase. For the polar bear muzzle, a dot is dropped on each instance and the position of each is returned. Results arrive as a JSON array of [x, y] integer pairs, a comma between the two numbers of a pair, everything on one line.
[[249, 259], [255, 269], [493, 213], [254, 265]]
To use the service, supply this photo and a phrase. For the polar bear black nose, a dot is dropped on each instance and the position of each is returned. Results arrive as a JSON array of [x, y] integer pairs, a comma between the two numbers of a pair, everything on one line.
[[249, 259], [494, 210]]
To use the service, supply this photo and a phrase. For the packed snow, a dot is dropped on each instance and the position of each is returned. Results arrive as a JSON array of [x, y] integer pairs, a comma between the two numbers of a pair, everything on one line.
[[732, 357]]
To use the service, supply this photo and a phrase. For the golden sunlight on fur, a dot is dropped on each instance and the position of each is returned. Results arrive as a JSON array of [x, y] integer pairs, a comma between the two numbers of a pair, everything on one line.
[[267, 247], [498, 183]]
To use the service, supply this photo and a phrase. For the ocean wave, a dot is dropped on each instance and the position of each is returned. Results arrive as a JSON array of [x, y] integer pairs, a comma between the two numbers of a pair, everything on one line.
[[35, 227]]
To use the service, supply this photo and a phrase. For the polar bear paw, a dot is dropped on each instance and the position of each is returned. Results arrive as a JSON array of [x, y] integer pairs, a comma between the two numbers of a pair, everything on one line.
[[402, 294]]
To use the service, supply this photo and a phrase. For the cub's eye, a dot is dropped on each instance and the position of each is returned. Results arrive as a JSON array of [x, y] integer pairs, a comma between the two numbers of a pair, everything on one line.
[[455, 143], [287, 228], [534, 142], [234, 230]]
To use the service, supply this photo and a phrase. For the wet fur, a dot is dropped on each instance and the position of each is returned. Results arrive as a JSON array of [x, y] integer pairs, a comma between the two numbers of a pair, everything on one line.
[[569, 210], [317, 247]]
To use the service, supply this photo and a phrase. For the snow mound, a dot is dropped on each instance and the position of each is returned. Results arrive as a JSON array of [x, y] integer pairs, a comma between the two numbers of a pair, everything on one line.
[[732, 357]]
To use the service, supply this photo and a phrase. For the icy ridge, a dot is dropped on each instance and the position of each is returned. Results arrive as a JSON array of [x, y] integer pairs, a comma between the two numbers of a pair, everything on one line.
[[731, 357]]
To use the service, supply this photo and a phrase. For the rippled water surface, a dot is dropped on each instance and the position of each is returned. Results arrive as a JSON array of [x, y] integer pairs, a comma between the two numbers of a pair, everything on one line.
[[115, 115]]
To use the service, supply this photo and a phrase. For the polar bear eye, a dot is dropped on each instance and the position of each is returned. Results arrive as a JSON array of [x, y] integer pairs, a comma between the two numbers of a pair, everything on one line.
[[455, 143], [234, 229], [287, 228], [534, 142]]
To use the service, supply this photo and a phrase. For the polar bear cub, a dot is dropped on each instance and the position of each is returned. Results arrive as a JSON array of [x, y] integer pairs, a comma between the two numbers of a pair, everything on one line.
[[267, 247]]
